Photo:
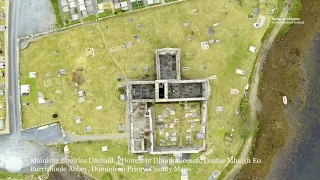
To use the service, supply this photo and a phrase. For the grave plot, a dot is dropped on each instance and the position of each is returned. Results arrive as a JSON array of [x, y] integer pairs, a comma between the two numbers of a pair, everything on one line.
[[177, 124]]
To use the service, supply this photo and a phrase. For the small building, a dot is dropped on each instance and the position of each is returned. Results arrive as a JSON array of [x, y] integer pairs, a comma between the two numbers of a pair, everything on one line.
[[25, 90], [104, 149]]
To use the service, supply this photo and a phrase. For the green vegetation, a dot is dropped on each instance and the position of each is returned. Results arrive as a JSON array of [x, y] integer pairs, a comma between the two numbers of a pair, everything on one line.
[[293, 13], [73, 22], [89, 18], [167, 1], [55, 4], [105, 13], [17, 176], [106, 176], [2, 21]]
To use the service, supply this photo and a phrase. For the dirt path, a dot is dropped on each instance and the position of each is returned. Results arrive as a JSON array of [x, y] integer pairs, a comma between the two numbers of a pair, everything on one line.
[[253, 100], [107, 47]]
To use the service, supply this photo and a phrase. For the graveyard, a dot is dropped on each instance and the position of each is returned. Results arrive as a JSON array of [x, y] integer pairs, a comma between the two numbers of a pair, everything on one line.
[[177, 124], [78, 76]]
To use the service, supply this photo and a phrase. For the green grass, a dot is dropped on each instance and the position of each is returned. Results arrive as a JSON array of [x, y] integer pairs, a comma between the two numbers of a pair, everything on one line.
[[56, 8], [162, 28], [105, 13], [294, 13], [89, 18], [2, 21], [231, 165], [73, 22], [167, 1], [18, 176]]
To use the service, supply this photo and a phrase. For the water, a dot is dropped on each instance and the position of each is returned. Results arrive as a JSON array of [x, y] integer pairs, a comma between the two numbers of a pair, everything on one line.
[[300, 158]]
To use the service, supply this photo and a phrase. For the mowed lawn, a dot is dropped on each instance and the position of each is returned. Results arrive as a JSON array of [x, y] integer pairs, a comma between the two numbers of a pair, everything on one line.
[[163, 27]]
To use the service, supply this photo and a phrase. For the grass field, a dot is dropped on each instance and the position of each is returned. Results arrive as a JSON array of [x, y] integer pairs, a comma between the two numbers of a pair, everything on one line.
[[163, 27]]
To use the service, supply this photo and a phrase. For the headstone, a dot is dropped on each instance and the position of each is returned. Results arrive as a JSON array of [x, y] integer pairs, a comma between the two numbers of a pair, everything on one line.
[[210, 31], [186, 24], [205, 45], [185, 68], [190, 38], [88, 129], [234, 91], [194, 12], [139, 27], [145, 68], [213, 77], [129, 44]]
